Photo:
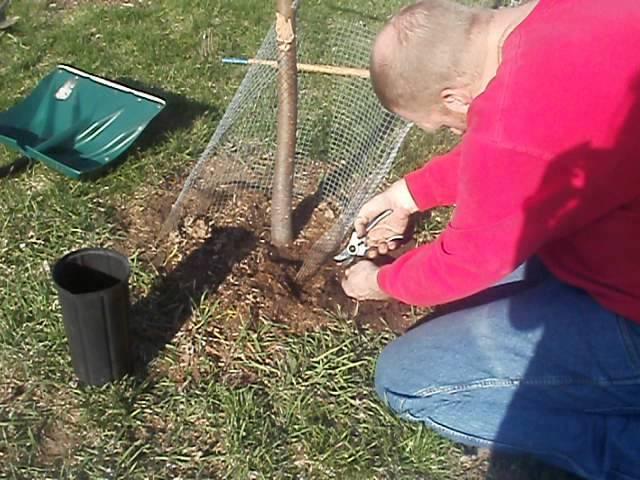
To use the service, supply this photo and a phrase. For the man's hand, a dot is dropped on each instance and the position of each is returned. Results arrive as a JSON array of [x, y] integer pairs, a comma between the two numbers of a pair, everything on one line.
[[361, 282], [397, 198]]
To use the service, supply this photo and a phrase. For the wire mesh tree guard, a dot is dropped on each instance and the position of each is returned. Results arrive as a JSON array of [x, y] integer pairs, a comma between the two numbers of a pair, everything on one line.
[[338, 145]]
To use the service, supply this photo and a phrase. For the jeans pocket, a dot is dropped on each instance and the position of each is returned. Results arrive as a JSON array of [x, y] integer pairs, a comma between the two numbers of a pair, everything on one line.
[[630, 332]]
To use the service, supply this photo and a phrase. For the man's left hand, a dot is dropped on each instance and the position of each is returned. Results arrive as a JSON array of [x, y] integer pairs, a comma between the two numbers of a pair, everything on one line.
[[361, 282]]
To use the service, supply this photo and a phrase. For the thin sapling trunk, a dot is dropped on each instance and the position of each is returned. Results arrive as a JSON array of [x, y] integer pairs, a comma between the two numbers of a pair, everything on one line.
[[282, 195]]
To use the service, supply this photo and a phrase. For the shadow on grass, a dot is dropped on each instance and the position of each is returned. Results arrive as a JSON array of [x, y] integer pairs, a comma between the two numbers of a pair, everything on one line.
[[21, 164], [504, 466], [157, 318], [179, 114]]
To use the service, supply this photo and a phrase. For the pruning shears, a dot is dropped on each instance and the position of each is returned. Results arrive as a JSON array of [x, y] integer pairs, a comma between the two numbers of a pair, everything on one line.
[[357, 246]]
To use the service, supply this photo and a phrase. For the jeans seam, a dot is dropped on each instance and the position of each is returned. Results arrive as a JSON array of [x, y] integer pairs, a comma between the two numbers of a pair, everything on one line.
[[466, 438], [630, 347], [461, 437], [509, 382]]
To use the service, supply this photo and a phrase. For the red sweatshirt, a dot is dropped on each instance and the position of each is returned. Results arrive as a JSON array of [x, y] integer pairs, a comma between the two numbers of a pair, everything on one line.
[[549, 165]]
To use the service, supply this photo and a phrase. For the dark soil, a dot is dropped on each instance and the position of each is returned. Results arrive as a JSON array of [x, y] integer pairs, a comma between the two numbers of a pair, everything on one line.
[[226, 252]]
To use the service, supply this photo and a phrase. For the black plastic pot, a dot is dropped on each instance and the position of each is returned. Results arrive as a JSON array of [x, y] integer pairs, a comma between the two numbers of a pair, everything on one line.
[[93, 288]]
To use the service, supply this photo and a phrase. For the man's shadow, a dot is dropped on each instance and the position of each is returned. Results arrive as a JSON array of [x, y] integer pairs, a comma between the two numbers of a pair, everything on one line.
[[176, 295], [171, 301]]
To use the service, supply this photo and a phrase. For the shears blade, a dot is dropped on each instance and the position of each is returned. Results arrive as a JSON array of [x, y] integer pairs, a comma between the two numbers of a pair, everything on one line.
[[357, 246]]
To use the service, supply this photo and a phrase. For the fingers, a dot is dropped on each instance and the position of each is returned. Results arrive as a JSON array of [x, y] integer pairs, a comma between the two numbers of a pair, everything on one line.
[[368, 212], [382, 248], [346, 283], [346, 287], [381, 232], [360, 225]]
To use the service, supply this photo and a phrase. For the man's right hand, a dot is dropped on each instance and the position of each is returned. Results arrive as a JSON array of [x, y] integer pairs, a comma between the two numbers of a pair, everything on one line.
[[396, 198]]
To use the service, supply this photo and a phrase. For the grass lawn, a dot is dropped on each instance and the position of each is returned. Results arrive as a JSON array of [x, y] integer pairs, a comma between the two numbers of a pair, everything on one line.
[[254, 402]]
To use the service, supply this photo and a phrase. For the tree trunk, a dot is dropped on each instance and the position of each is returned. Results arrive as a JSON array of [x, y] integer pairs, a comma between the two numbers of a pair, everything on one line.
[[281, 208]]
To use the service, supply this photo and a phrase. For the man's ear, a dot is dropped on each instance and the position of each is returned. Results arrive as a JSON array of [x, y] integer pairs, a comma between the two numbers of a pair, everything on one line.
[[456, 99]]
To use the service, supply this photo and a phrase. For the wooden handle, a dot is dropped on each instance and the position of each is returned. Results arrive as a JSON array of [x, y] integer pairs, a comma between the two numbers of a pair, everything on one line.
[[313, 68]]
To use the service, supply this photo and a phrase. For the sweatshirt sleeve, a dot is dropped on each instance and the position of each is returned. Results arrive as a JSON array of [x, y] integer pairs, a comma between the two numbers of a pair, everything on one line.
[[510, 203], [435, 184]]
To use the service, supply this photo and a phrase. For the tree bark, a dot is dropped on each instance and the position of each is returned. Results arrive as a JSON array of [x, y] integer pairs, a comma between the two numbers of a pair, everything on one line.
[[282, 194]]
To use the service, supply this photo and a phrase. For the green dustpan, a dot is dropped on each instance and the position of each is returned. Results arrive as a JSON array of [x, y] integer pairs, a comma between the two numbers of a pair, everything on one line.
[[77, 123]]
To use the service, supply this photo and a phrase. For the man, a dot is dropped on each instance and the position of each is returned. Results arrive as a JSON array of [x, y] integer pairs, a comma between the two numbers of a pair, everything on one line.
[[538, 347]]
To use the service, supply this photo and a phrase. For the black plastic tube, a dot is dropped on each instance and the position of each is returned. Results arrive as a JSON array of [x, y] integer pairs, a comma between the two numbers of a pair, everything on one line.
[[93, 288]]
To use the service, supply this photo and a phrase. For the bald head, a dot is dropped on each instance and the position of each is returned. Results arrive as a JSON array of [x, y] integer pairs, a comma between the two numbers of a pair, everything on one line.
[[423, 50]]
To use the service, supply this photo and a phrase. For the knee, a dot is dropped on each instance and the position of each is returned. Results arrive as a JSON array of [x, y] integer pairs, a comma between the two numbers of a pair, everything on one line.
[[403, 382], [393, 379], [423, 361], [412, 362], [386, 371]]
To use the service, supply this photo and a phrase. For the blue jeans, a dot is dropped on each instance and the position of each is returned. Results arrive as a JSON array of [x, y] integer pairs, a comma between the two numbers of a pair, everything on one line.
[[531, 365]]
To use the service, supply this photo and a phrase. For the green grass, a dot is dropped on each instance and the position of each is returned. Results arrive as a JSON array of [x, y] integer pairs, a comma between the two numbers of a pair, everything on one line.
[[254, 402]]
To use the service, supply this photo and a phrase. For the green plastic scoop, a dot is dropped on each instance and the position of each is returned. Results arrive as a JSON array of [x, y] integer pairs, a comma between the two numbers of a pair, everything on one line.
[[77, 123]]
